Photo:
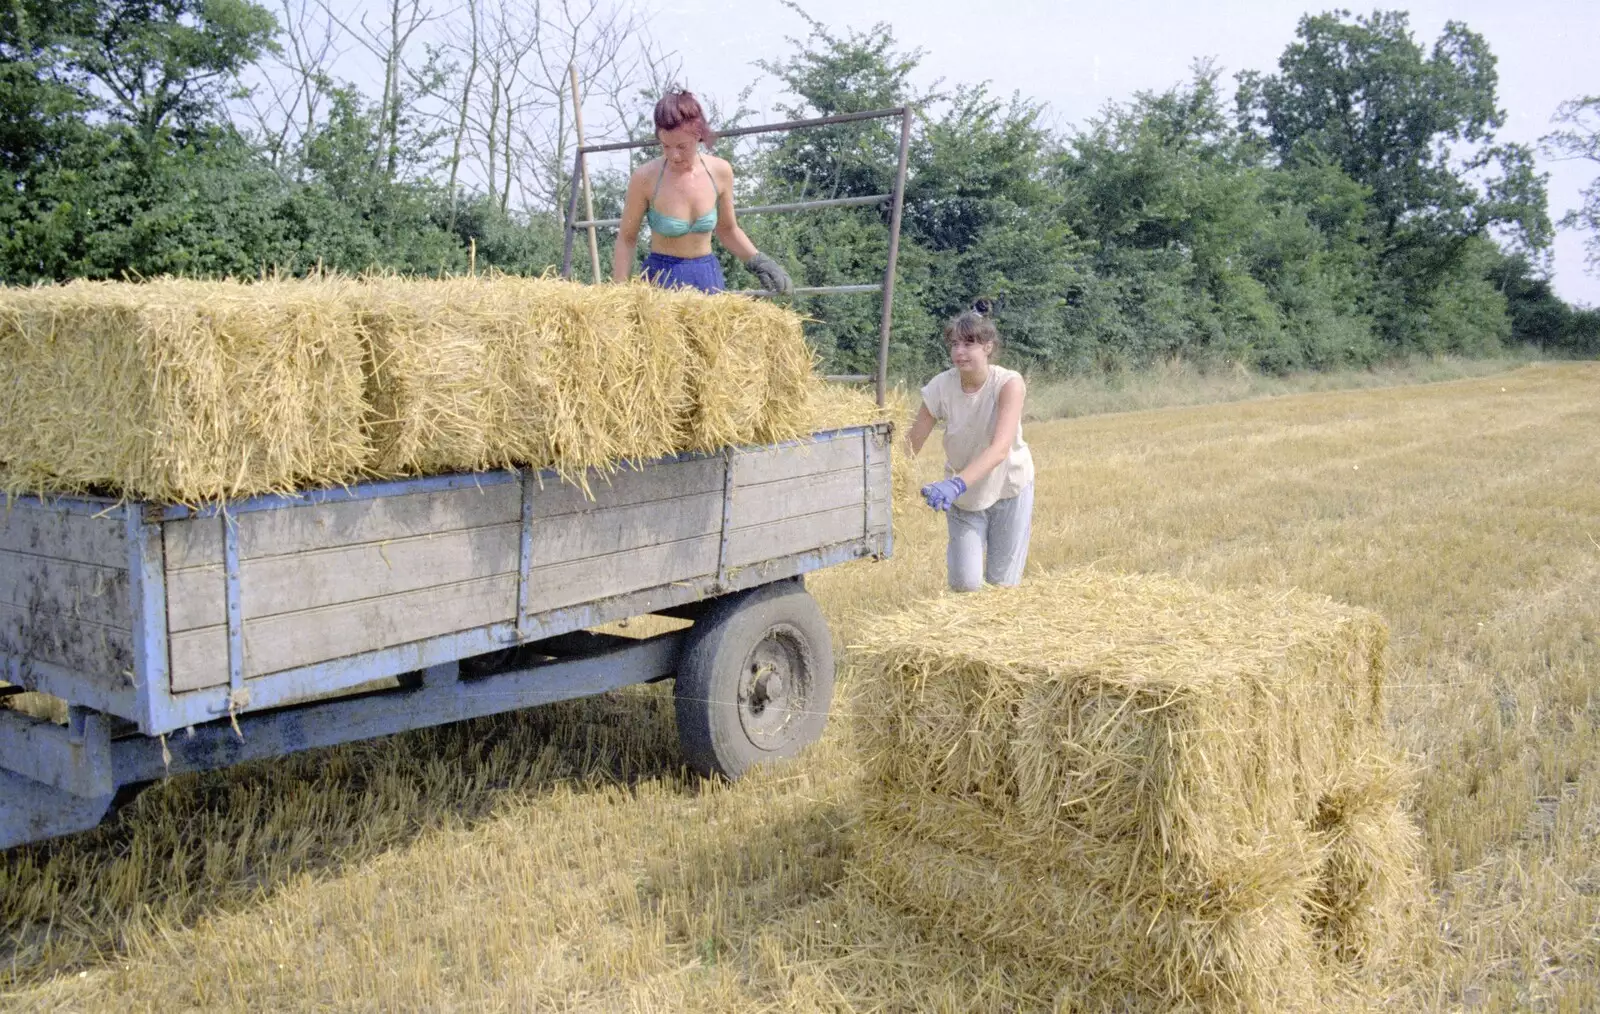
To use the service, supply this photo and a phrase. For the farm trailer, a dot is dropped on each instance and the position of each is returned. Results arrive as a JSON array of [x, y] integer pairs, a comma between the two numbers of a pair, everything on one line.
[[187, 640]]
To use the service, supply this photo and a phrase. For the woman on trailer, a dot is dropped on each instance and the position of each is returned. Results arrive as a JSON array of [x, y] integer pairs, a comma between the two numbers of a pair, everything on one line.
[[687, 197], [988, 489]]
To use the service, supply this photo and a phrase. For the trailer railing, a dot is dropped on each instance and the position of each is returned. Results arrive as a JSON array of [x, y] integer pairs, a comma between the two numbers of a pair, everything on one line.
[[895, 199]]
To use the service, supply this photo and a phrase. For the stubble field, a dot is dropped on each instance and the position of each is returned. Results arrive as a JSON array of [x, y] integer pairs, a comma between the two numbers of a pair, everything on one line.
[[561, 860]]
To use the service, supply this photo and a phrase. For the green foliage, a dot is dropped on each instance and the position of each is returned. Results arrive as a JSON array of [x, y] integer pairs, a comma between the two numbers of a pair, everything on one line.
[[1538, 316], [1417, 130], [1355, 205]]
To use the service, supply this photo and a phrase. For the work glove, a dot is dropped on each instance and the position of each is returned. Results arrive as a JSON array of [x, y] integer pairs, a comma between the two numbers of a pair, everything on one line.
[[773, 277], [940, 495]]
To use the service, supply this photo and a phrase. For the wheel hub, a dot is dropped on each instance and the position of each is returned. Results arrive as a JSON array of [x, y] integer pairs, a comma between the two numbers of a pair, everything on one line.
[[772, 689]]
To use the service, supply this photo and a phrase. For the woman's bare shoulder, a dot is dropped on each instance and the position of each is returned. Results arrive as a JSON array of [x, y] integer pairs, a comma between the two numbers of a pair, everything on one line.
[[721, 167], [647, 171]]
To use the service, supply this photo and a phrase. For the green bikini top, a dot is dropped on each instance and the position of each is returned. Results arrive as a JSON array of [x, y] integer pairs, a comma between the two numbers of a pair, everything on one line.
[[666, 225]]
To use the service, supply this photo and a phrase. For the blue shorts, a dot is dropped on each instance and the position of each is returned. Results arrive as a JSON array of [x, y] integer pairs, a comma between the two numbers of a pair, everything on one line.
[[703, 273]]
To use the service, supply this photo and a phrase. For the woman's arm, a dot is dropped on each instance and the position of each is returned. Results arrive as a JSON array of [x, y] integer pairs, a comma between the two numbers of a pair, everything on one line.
[[1007, 419], [633, 208], [920, 430], [728, 232]]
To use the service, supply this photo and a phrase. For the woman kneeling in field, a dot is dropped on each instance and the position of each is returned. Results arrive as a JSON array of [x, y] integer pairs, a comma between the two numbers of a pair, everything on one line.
[[989, 492], [698, 191]]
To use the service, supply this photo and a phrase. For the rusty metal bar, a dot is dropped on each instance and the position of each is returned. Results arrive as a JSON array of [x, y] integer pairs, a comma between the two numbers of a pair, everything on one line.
[[763, 209], [765, 128], [815, 290], [894, 256]]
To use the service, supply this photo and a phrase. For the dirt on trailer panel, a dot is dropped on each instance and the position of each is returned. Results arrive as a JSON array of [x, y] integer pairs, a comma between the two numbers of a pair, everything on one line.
[[64, 594], [559, 860]]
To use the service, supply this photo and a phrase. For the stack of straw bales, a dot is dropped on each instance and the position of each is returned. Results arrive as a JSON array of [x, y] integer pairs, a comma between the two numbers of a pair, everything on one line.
[[1155, 797], [188, 391]]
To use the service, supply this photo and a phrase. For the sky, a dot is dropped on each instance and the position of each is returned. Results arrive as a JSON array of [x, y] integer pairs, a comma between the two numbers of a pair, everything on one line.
[[1076, 56]]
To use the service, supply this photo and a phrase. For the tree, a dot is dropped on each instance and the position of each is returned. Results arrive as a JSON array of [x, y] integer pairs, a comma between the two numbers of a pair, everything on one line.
[[286, 96], [1580, 139], [166, 62], [1417, 129]]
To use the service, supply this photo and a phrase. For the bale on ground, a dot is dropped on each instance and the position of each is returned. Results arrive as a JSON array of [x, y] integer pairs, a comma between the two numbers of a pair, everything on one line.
[[1369, 891], [1104, 926], [1121, 777]]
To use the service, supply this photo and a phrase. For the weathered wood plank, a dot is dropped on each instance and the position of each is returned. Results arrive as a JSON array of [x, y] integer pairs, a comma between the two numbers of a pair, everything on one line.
[[428, 564], [808, 458], [309, 580], [198, 541], [69, 590], [192, 542], [280, 584], [796, 535], [290, 640], [619, 573], [569, 537], [880, 499], [624, 488], [102, 653], [877, 448], [80, 538], [809, 494]]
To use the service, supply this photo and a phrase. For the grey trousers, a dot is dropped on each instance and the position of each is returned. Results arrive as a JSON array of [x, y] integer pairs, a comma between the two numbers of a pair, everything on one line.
[[990, 545]]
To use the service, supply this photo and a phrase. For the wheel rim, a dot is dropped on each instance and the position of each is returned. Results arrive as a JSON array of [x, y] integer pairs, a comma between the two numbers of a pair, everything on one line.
[[774, 687]]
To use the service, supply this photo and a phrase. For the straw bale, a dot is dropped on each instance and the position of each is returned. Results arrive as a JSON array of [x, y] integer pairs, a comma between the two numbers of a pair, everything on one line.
[[188, 391], [1148, 787], [1105, 942], [480, 373], [180, 390], [1370, 894], [1126, 704], [753, 372]]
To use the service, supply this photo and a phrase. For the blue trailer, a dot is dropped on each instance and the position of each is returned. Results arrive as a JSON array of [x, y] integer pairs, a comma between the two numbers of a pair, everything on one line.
[[187, 640]]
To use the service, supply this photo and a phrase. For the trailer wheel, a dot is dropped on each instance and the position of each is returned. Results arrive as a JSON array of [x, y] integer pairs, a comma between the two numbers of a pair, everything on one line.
[[755, 680]]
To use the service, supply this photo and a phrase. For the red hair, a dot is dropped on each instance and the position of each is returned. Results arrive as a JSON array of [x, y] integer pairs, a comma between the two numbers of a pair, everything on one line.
[[679, 108]]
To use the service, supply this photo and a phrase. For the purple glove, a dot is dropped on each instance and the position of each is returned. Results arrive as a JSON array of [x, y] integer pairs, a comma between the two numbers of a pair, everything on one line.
[[940, 495]]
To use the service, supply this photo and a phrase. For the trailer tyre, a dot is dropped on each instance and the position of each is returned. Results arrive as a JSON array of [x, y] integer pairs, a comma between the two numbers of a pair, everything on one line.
[[755, 680]]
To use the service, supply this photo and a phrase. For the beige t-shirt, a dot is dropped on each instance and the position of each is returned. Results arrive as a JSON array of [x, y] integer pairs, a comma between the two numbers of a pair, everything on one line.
[[969, 421]]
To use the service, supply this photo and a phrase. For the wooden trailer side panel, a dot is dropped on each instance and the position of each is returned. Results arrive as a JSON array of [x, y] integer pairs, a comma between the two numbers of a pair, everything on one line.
[[319, 582], [64, 594]]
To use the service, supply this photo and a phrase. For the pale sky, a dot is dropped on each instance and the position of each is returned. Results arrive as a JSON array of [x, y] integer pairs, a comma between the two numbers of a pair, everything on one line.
[[1076, 56]]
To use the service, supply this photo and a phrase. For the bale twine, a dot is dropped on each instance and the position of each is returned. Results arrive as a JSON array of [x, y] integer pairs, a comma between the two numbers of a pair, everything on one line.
[[1146, 789]]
